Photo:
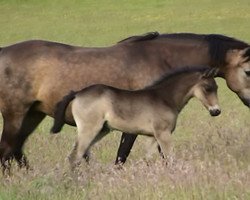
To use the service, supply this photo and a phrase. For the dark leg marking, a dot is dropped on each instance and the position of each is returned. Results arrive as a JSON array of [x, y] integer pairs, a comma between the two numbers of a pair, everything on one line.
[[16, 129], [126, 144], [30, 122]]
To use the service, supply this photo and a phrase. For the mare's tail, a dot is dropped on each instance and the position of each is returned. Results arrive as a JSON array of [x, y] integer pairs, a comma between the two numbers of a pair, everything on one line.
[[59, 115]]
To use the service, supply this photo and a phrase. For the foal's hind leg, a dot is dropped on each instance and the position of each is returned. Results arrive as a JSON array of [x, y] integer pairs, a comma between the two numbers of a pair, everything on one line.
[[87, 136], [104, 131]]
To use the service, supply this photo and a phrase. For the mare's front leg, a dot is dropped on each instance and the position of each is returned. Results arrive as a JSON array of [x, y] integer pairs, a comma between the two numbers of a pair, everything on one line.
[[126, 144]]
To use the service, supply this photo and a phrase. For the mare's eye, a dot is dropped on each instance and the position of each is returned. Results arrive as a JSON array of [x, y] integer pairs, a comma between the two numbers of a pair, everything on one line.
[[247, 73]]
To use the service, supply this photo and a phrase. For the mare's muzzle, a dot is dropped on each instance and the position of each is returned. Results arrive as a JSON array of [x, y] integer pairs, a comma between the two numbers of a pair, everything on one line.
[[214, 111], [246, 101]]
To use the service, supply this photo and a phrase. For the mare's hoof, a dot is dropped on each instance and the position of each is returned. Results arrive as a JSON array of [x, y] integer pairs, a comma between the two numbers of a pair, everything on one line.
[[118, 166]]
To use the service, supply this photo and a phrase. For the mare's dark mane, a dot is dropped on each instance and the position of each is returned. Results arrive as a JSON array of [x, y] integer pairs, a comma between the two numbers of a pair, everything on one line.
[[185, 36], [178, 71], [218, 44], [138, 38]]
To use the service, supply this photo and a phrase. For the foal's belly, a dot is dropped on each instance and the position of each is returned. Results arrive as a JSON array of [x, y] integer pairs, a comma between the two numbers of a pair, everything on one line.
[[141, 124]]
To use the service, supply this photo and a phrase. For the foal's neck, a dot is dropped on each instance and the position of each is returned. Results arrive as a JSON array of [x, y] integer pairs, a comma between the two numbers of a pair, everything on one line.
[[177, 91]]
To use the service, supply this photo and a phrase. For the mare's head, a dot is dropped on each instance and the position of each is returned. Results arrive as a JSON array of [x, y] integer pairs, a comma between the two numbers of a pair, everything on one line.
[[206, 91], [237, 73], [232, 56]]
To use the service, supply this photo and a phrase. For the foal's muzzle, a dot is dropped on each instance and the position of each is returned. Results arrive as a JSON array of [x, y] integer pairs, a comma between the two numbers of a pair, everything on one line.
[[214, 111]]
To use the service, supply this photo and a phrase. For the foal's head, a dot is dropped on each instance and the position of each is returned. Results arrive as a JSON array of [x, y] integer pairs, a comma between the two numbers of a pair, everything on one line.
[[206, 91]]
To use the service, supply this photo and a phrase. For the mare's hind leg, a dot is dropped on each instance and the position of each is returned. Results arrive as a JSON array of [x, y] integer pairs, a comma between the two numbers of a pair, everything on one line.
[[16, 128], [126, 144], [30, 122], [11, 126]]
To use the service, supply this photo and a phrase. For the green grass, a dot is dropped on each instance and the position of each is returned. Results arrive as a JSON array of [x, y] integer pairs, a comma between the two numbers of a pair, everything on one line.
[[211, 157]]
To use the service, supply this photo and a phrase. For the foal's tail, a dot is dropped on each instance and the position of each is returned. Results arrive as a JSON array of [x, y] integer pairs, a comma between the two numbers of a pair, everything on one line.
[[59, 115]]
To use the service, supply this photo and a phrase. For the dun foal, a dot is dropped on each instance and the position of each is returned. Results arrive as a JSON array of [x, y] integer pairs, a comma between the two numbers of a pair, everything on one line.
[[151, 111]]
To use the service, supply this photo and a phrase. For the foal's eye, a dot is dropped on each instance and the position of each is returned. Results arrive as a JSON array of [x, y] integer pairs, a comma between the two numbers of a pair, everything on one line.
[[247, 73], [208, 89]]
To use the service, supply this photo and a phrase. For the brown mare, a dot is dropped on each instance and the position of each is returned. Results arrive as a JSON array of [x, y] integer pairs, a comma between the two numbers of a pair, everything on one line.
[[152, 111], [35, 75]]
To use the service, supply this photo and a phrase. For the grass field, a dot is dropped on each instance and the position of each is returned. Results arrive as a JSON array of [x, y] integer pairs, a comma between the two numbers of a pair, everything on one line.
[[211, 156]]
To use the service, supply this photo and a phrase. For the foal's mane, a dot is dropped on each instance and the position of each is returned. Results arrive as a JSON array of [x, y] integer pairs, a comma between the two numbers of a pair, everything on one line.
[[218, 44], [179, 71]]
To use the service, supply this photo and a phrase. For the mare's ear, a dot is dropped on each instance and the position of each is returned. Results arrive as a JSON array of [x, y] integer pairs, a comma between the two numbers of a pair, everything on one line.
[[246, 54], [211, 72], [237, 57]]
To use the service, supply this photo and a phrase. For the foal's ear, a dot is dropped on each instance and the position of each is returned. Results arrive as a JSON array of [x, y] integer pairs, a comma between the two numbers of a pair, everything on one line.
[[210, 73]]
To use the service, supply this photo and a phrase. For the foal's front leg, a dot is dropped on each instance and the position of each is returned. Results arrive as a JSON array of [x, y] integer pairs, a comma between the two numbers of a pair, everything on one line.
[[164, 140]]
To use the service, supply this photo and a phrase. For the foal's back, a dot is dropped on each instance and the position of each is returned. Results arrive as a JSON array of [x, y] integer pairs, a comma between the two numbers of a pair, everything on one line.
[[121, 101]]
